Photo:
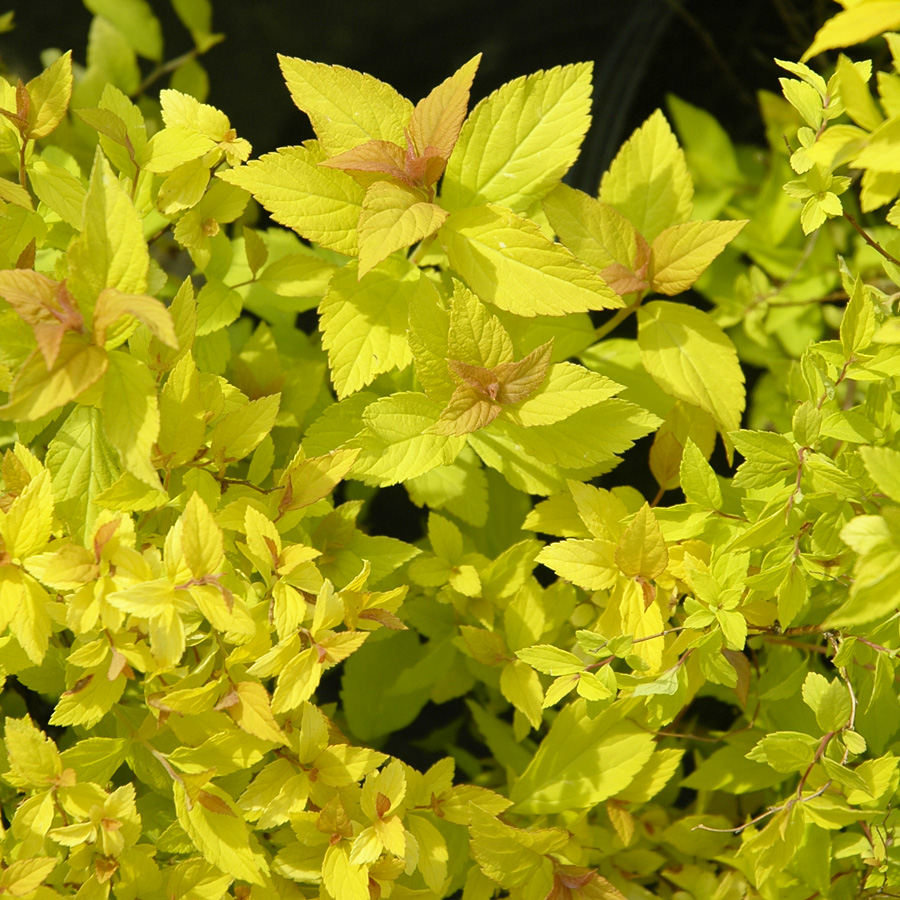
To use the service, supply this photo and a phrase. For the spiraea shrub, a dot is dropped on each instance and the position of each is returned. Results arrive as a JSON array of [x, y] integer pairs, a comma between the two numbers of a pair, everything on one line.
[[223, 679]]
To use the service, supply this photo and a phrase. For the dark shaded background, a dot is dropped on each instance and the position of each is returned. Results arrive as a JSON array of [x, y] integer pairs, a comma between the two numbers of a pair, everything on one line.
[[713, 53]]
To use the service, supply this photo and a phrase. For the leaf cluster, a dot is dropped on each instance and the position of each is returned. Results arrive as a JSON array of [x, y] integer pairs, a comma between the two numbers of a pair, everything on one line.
[[207, 647]]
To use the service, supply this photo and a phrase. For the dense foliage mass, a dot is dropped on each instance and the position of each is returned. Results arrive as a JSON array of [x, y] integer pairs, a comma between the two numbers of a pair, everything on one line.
[[211, 663]]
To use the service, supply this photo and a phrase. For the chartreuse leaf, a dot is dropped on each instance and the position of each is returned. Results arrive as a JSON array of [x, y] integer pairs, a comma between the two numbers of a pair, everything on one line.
[[475, 335], [15, 193], [62, 191], [581, 761], [567, 389], [320, 204], [692, 359], [90, 698], [181, 414], [785, 751], [513, 857], [201, 539], [681, 253], [593, 231], [648, 181], [393, 217], [551, 660], [521, 686], [27, 523], [364, 322], [346, 108], [591, 564], [96, 759], [858, 323], [829, 700], [131, 414], [83, 465], [24, 876], [34, 761], [697, 478], [856, 23], [37, 390], [507, 261], [253, 712], [239, 433], [641, 551], [397, 442], [112, 305], [217, 828], [709, 149], [883, 466], [111, 251], [49, 94], [309, 480], [547, 113], [655, 775]]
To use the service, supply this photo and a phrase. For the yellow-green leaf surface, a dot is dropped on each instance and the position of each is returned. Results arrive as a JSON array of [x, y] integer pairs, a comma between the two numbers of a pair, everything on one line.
[[521, 686], [648, 181], [181, 110], [681, 253], [23, 877], [566, 389], [111, 251], [49, 93], [341, 877], [883, 466], [83, 465], [12, 192], [582, 761], [201, 539], [551, 660], [397, 443], [112, 304], [589, 436], [34, 761], [253, 713], [62, 191], [858, 22], [240, 432], [393, 217], [507, 261], [593, 231], [475, 336], [346, 108], [518, 142], [591, 564], [692, 359], [218, 831], [89, 699], [320, 204], [131, 414], [171, 147], [511, 856], [642, 549], [36, 391], [364, 322], [181, 414], [26, 525], [312, 479]]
